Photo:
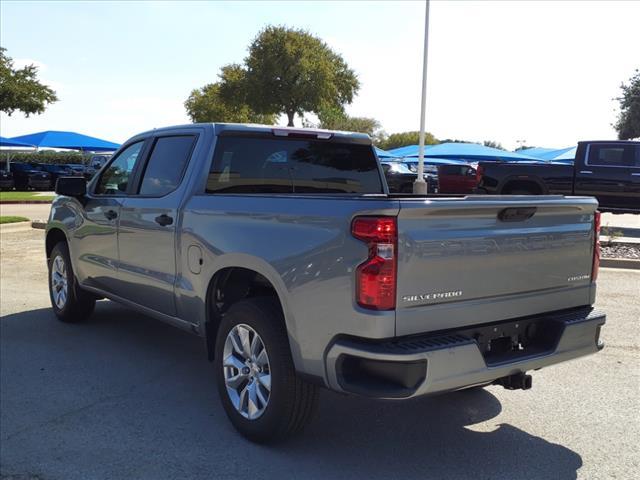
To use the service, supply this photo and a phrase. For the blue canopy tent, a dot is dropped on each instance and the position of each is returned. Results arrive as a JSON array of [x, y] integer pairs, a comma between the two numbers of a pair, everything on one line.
[[70, 140], [7, 142], [384, 154], [566, 155], [538, 152], [435, 161], [554, 155], [463, 151], [407, 151]]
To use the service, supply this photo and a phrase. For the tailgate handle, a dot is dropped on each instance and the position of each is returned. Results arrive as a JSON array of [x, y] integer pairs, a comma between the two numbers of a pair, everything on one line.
[[518, 214]]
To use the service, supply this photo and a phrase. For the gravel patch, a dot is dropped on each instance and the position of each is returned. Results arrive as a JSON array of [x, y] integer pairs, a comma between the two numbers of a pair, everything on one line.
[[620, 251]]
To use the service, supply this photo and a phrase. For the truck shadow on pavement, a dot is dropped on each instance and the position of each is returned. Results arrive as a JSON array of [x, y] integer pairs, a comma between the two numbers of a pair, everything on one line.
[[125, 396]]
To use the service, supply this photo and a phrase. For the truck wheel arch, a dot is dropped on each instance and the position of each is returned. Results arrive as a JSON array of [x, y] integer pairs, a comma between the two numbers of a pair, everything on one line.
[[532, 184], [236, 283], [54, 236]]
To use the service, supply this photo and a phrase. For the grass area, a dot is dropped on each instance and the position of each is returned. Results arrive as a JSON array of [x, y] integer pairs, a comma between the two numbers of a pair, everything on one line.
[[23, 196], [12, 219]]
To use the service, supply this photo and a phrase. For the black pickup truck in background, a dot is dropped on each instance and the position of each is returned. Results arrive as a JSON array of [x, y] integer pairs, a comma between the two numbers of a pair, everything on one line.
[[607, 170]]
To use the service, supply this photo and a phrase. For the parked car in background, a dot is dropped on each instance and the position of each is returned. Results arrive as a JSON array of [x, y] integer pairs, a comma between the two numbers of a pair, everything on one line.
[[284, 249], [85, 170], [457, 178], [56, 170], [430, 174], [607, 170], [26, 176], [400, 178], [97, 161], [6, 180]]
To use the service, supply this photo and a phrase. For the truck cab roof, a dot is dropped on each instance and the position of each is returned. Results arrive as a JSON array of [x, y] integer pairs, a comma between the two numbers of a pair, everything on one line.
[[224, 129]]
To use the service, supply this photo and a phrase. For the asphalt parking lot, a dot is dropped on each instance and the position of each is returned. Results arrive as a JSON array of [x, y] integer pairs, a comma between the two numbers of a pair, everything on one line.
[[124, 396]]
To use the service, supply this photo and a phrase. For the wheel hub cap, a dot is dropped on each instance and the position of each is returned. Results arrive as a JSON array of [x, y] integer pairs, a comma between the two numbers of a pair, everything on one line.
[[59, 285], [246, 370]]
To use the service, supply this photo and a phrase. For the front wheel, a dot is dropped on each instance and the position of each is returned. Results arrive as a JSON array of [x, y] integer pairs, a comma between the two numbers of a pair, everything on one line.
[[70, 303], [260, 391]]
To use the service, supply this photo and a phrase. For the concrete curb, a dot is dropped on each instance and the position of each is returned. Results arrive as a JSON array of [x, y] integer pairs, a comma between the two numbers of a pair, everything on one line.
[[629, 263], [14, 227], [25, 202], [39, 224]]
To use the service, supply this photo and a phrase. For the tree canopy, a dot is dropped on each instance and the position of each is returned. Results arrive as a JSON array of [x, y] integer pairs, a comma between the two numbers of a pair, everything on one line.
[[206, 104], [402, 139], [287, 71], [493, 144], [336, 119], [291, 71], [628, 124], [20, 89]]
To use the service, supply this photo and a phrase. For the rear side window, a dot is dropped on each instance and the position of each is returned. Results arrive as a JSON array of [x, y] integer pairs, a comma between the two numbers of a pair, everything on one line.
[[276, 165], [166, 164], [612, 155]]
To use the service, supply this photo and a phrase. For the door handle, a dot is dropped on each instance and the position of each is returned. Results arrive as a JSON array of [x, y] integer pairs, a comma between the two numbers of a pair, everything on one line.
[[111, 214], [586, 172], [164, 220]]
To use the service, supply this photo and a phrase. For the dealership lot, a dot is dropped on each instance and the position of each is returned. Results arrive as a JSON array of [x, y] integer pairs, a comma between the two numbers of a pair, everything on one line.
[[124, 396]]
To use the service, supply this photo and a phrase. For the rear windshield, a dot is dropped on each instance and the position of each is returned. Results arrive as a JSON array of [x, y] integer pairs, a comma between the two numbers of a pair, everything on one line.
[[277, 165]]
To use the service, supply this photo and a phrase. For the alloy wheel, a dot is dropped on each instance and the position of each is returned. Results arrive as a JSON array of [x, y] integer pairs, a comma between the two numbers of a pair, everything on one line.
[[246, 370]]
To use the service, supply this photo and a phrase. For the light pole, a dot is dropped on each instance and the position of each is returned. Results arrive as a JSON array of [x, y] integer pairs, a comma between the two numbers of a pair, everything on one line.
[[420, 186]]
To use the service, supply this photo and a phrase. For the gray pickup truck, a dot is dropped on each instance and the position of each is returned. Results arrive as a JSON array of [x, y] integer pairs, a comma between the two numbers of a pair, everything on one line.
[[285, 252]]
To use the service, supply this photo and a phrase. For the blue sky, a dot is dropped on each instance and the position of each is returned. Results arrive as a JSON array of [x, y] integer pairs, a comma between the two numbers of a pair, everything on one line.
[[544, 72]]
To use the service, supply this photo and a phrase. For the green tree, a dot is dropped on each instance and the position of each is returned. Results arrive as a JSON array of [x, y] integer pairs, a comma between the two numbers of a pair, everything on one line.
[[454, 140], [20, 89], [291, 71], [493, 144], [402, 139], [206, 105], [628, 124], [336, 119]]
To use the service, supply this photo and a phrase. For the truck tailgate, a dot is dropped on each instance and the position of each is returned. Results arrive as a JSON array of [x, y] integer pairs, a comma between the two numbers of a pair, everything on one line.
[[481, 259]]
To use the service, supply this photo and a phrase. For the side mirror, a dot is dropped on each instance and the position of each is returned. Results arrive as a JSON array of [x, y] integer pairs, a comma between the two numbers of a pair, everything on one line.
[[71, 186]]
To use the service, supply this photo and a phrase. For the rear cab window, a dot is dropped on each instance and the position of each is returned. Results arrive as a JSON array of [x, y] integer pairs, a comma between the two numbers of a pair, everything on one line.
[[263, 164]]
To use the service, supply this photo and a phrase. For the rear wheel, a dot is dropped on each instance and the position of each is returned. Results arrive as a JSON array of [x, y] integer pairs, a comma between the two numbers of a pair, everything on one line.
[[522, 188], [70, 303], [260, 391], [520, 191]]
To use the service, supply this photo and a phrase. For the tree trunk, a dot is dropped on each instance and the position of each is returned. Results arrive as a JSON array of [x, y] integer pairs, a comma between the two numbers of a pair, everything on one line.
[[291, 115]]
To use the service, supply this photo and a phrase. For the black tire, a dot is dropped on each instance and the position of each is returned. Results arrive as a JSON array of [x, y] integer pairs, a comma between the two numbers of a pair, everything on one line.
[[292, 401], [521, 191], [79, 304]]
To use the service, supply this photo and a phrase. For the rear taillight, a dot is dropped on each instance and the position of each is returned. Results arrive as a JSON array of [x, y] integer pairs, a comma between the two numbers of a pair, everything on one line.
[[479, 173], [596, 246], [376, 278]]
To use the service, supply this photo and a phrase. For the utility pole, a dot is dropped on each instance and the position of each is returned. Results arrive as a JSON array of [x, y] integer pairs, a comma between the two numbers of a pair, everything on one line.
[[420, 186]]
